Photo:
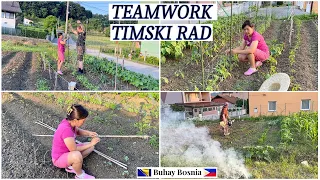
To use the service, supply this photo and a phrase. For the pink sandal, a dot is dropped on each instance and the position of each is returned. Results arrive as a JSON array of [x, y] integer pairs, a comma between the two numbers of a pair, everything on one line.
[[85, 176], [250, 71]]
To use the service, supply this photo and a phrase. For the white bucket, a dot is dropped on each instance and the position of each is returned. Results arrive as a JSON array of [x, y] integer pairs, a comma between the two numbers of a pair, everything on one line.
[[72, 86]]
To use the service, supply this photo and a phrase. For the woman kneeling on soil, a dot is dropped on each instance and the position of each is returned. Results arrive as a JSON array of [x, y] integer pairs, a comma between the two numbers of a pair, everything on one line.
[[65, 152], [257, 51], [224, 119]]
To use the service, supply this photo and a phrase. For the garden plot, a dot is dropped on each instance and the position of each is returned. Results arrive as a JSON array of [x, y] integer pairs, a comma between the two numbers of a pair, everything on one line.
[[263, 147], [26, 156], [218, 71], [35, 58]]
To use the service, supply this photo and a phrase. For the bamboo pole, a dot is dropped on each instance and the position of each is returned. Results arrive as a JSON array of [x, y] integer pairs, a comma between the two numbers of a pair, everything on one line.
[[96, 151], [101, 136]]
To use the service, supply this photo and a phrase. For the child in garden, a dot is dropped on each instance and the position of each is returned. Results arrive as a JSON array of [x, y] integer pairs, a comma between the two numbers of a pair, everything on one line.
[[256, 52], [61, 50], [65, 152], [224, 119]]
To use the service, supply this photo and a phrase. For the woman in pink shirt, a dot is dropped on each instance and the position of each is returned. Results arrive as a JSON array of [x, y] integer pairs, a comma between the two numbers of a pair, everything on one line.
[[65, 152], [61, 50], [253, 49]]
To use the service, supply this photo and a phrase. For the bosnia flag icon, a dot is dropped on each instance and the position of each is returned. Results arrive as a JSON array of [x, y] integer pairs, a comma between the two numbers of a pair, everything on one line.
[[144, 172], [210, 172]]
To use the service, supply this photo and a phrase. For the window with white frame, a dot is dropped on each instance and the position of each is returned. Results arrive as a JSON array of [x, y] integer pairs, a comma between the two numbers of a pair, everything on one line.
[[7, 15], [305, 104], [272, 106]]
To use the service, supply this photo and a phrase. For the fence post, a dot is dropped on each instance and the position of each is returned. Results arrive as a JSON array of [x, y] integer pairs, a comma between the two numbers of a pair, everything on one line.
[[285, 109], [44, 64], [56, 80], [145, 56], [123, 62], [50, 71], [260, 109]]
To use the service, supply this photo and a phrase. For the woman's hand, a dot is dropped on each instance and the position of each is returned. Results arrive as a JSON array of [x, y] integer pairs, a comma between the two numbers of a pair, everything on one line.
[[227, 51], [94, 141], [93, 134]]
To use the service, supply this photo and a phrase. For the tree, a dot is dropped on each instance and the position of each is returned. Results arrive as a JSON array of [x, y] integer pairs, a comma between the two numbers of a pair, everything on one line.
[[44, 12], [50, 22]]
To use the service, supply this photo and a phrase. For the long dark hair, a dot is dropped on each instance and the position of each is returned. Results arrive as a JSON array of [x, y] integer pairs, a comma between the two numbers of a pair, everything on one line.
[[221, 114], [77, 111]]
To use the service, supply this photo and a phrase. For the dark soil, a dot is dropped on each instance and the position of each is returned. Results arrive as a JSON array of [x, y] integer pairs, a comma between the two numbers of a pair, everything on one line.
[[15, 66], [6, 56], [305, 75], [26, 156], [306, 64]]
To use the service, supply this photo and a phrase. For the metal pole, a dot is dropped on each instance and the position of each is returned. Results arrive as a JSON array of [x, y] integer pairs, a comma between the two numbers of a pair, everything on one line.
[[101, 136], [55, 80], [230, 56], [67, 16], [285, 108], [260, 109]]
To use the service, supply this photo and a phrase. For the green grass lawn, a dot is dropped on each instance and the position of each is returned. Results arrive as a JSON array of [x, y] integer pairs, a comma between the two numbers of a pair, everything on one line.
[[285, 159]]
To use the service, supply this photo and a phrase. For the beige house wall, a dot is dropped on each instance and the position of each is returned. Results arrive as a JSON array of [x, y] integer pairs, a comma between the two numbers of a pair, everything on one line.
[[286, 102]]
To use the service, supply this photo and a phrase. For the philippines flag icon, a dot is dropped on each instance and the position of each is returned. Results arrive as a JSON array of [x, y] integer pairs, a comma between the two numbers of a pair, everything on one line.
[[210, 172], [144, 172]]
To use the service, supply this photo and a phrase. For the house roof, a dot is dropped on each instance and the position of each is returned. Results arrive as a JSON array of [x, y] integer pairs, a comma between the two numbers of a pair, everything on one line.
[[230, 99], [28, 19], [10, 6], [200, 104]]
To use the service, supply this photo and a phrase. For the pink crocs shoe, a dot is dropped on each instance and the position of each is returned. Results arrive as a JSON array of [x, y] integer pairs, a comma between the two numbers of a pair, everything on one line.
[[60, 72], [84, 176], [250, 71], [258, 64]]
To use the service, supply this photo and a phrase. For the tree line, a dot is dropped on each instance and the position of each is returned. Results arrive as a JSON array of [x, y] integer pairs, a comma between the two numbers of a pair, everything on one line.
[[41, 9]]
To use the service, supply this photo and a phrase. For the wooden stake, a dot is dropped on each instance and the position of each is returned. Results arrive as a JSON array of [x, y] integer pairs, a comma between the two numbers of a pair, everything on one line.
[[100, 136], [50, 71], [123, 62], [55, 80], [145, 56]]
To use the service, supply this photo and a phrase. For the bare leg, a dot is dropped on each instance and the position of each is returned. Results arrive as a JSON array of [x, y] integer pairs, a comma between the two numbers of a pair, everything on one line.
[[60, 65], [243, 57], [86, 152], [80, 64], [75, 159], [252, 60]]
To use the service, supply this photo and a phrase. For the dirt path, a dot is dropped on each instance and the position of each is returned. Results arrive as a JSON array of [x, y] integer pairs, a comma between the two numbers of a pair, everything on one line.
[[19, 115], [306, 65]]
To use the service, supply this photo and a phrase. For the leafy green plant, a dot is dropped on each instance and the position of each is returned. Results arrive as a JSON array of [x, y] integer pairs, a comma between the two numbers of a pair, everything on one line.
[[154, 141], [109, 67], [42, 85], [263, 137], [264, 153]]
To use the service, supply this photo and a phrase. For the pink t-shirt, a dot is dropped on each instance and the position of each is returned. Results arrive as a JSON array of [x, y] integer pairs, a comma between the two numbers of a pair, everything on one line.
[[262, 45], [64, 130], [61, 47]]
